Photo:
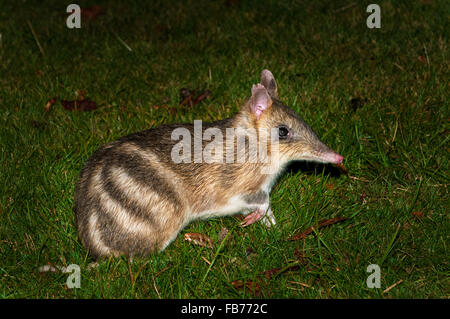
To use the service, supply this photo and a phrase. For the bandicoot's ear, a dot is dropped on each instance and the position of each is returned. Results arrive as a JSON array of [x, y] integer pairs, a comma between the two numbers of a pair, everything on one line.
[[260, 100], [269, 83]]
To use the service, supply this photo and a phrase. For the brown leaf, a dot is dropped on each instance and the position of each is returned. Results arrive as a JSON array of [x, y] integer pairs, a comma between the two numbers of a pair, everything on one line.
[[199, 239], [237, 284], [330, 186], [191, 98], [93, 12], [271, 272], [321, 224], [80, 94], [79, 105], [300, 256], [418, 214], [362, 196], [50, 103], [185, 96], [201, 97], [276, 271], [422, 59], [252, 287]]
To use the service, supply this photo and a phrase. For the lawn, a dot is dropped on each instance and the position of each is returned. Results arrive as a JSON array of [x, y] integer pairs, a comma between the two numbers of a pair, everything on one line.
[[377, 96]]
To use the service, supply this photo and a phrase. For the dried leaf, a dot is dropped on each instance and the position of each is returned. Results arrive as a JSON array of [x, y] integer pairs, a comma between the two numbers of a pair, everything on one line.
[[185, 96], [237, 284], [50, 103], [269, 274], [300, 256], [418, 214], [201, 97], [80, 94], [422, 59], [79, 105], [330, 186], [199, 239], [362, 196], [252, 287], [92, 13], [191, 97], [321, 224]]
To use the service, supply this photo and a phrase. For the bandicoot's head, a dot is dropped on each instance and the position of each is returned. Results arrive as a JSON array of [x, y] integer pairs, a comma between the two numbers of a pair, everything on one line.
[[296, 140]]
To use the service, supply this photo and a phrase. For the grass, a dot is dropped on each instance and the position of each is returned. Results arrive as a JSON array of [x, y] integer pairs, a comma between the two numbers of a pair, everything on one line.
[[377, 96]]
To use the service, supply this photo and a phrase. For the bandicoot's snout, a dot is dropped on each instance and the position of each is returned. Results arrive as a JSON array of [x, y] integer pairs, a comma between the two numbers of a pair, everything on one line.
[[333, 158]]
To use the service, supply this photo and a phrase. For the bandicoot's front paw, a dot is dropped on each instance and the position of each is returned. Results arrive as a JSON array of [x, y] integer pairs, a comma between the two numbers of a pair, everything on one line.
[[252, 217], [267, 218]]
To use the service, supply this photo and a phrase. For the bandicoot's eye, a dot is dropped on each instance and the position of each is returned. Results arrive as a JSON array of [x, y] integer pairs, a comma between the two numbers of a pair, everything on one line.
[[283, 132]]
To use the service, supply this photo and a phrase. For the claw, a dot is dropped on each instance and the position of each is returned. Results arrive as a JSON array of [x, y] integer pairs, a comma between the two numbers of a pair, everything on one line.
[[252, 217], [269, 219]]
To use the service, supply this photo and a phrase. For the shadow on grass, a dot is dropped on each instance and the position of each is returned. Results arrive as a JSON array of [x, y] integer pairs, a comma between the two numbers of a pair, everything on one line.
[[309, 168]]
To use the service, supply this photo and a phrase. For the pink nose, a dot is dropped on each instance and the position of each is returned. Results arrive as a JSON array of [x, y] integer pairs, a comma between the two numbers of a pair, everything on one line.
[[338, 158], [333, 158]]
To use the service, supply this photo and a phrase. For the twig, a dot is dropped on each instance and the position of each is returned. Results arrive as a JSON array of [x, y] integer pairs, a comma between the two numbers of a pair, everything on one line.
[[358, 178], [122, 42], [395, 132], [321, 224], [399, 66], [394, 285], [36, 38], [426, 54], [206, 260], [301, 284], [348, 6], [156, 289]]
